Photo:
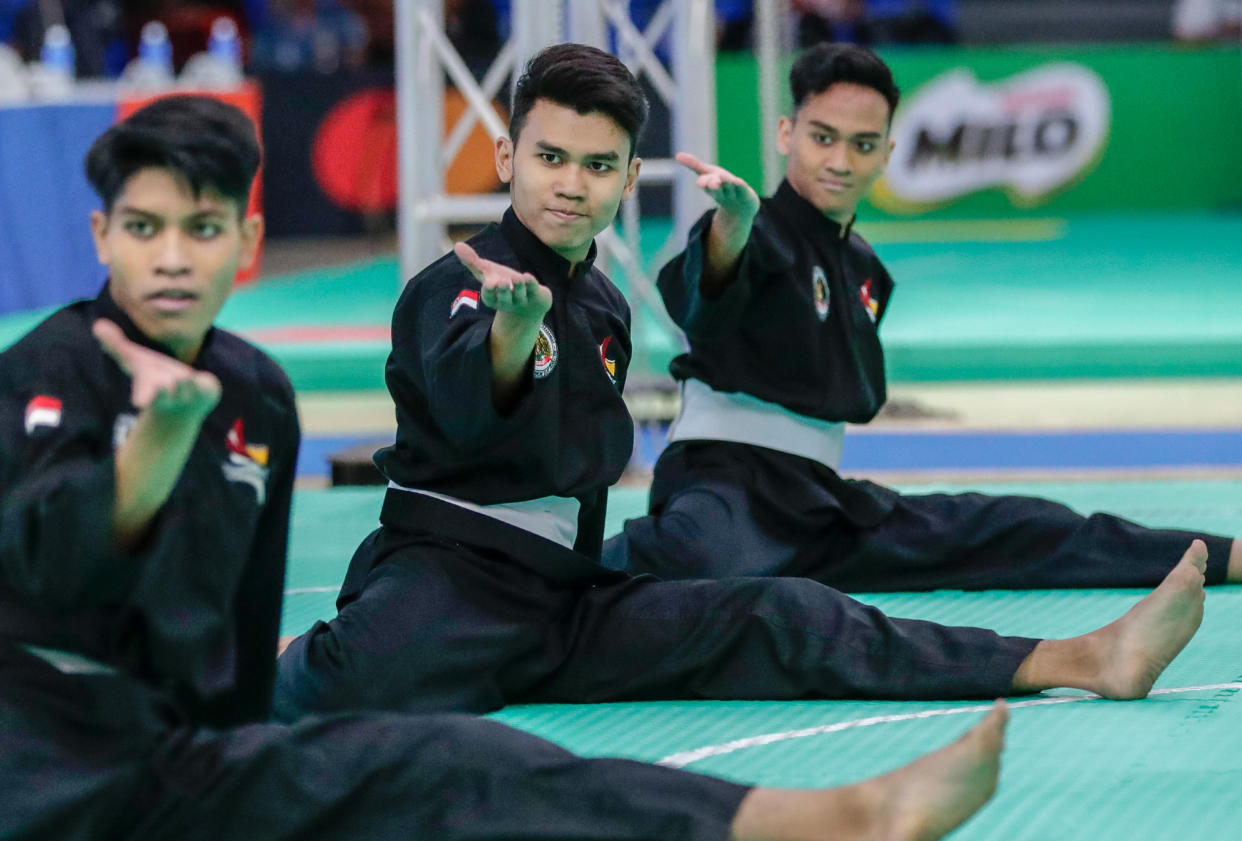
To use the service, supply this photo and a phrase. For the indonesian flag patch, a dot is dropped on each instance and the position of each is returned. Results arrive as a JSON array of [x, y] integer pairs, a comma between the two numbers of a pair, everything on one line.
[[43, 410], [465, 298], [870, 304]]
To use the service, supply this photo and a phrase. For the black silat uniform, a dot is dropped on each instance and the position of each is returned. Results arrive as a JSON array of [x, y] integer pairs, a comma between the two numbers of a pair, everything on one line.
[[475, 593], [748, 485], [136, 688]]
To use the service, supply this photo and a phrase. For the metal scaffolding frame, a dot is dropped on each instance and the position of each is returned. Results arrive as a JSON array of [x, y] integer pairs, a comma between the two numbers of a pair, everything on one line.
[[425, 58]]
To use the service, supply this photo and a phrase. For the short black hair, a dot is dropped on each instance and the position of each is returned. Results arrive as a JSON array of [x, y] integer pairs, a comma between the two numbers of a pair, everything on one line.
[[205, 141], [826, 64], [585, 79]]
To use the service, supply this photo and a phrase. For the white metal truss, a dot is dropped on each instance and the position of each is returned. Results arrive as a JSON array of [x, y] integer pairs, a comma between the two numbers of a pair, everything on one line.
[[772, 38]]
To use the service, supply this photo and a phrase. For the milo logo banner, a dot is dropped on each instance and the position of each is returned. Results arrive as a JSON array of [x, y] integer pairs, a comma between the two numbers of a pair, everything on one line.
[[1030, 136]]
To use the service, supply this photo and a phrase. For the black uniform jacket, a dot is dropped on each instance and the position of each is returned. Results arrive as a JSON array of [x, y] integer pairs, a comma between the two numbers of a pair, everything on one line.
[[796, 327], [195, 609], [569, 434]]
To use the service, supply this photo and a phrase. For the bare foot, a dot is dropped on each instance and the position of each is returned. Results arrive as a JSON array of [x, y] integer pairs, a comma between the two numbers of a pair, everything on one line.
[[1136, 648], [933, 795], [919, 802]]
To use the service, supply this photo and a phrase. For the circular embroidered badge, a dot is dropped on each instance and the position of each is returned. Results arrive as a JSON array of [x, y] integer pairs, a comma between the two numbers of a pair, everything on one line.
[[819, 288], [545, 352]]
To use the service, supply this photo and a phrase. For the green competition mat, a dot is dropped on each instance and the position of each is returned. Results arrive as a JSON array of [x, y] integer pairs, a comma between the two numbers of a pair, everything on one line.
[[1075, 768], [1094, 296]]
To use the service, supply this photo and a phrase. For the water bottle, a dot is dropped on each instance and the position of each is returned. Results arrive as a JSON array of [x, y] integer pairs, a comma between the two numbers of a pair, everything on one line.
[[57, 54], [154, 48], [153, 68], [53, 76], [13, 78], [221, 65]]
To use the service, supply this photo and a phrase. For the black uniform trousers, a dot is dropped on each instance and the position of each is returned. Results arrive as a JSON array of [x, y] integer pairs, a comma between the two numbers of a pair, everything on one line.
[[428, 624], [724, 509], [105, 758]]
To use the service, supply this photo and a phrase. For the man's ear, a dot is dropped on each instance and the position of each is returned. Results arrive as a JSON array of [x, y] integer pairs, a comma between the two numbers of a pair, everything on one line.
[[251, 237], [631, 178], [504, 159], [99, 233], [784, 135]]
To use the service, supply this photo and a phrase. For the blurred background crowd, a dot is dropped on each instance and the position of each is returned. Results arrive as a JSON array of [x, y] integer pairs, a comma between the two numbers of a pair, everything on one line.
[[328, 36]]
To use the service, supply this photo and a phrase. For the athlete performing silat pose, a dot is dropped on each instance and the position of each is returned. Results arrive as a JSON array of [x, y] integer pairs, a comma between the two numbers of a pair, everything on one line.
[[781, 301]]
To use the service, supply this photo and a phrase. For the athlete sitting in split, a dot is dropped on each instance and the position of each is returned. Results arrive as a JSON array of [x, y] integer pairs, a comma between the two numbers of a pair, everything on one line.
[[781, 301]]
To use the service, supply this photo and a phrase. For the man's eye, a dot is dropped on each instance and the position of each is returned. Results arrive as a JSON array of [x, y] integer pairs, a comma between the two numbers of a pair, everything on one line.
[[140, 228], [206, 230], [550, 158], [866, 146], [822, 139], [599, 166]]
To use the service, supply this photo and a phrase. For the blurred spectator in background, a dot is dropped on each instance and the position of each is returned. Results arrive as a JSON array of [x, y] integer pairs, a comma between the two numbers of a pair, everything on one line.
[[875, 22], [1197, 21], [378, 18], [95, 26], [320, 35], [472, 27]]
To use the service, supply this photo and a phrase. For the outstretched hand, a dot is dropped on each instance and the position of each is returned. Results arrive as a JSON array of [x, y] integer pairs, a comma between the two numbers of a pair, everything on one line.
[[731, 194], [159, 383], [504, 288]]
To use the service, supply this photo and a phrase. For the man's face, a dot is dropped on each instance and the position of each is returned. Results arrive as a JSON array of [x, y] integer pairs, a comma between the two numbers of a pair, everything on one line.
[[172, 257], [567, 175], [838, 146]]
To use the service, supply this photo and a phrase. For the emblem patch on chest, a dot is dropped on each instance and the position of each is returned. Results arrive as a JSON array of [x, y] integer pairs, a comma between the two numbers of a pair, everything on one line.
[[121, 427], [871, 305], [246, 463], [545, 352], [610, 365], [819, 289]]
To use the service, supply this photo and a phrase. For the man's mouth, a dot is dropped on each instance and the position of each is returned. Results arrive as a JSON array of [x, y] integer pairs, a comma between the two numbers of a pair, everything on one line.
[[173, 300]]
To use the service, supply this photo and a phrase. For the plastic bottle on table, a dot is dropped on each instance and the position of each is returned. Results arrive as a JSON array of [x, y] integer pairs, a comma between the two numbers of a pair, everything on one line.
[[153, 68], [221, 65], [52, 77]]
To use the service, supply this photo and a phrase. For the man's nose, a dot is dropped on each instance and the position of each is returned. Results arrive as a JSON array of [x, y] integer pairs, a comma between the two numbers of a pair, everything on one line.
[[172, 257]]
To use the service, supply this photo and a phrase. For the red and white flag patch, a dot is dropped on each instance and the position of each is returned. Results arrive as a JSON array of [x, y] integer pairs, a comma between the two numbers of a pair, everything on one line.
[[465, 298], [43, 410]]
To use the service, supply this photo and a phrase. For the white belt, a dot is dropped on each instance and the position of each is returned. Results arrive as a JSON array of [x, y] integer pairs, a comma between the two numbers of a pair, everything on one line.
[[553, 518], [707, 414], [69, 663]]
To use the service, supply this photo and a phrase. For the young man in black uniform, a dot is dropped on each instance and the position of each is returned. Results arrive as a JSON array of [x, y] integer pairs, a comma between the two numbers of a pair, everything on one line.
[[781, 302], [483, 587], [145, 483]]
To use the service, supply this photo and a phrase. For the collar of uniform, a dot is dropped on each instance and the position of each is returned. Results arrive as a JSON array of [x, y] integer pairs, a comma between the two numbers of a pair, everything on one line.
[[106, 307], [548, 265], [788, 199]]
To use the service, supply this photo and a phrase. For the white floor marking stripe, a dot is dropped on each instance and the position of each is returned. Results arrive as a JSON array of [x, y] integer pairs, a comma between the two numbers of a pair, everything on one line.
[[297, 591], [680, 760]]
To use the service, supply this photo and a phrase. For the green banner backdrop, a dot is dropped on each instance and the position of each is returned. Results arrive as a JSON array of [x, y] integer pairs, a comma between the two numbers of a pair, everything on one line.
[[1039, 130]]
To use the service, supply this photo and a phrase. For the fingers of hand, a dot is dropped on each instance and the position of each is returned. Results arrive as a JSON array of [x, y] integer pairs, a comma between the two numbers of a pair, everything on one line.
[[113, 341], [195, 391], [470, 259], [688, 160]]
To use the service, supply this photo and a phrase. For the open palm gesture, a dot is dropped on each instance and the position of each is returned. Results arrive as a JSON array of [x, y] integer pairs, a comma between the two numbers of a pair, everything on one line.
[[505, 289]]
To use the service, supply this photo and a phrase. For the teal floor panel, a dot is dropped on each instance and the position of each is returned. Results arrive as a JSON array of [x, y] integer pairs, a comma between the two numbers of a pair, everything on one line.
[[1075, 768], [1111, 296]]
